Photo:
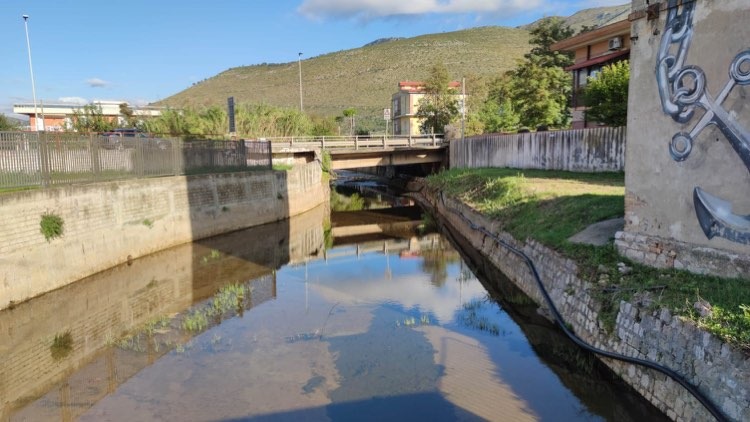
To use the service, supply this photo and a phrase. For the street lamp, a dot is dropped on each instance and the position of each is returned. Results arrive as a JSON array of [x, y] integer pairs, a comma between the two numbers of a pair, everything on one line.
[[31, 69], [299, 62]]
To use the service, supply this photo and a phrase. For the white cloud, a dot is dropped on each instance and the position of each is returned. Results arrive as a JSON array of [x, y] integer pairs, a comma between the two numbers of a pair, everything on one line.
[[96, 82], [373, 9], [73, 100]]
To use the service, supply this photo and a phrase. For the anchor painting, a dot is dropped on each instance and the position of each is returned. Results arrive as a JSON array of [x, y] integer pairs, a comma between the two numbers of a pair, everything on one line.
[[682, 89]]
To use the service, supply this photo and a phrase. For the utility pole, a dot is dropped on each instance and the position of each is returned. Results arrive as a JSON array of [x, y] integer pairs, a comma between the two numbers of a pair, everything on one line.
[[31, 69], [463, 107], [299, 62]]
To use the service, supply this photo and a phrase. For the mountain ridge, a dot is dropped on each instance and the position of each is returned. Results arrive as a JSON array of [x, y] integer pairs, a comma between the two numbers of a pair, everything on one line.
[[364, 78]]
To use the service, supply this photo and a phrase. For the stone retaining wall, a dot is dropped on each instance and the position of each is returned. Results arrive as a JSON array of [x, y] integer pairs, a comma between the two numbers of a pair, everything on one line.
[[106, 224], [719, 370]]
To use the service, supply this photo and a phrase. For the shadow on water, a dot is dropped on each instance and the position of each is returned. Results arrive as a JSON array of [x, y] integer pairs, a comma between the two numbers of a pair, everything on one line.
[[67, 349], [601, 391], [387, 373]]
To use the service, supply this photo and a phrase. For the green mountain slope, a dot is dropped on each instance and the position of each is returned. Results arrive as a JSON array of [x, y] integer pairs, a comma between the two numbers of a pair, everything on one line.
[[363, 78]]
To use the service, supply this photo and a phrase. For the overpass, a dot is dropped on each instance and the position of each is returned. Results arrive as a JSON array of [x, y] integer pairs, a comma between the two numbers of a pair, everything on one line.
[[351, 152]]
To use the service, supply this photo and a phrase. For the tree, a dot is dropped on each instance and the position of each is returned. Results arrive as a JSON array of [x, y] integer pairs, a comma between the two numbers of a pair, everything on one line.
[[127, 111], [91, 119], [439, 106], [7, 124], [547, 32], [606, 95], [349, 113], [539, 88], [539, 94]]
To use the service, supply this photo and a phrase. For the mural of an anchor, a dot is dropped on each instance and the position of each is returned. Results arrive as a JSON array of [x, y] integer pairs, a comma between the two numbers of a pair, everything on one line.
[[682, 88]]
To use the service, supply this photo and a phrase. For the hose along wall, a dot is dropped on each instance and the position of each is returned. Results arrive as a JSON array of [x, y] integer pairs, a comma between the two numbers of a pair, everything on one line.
[[705, 401]]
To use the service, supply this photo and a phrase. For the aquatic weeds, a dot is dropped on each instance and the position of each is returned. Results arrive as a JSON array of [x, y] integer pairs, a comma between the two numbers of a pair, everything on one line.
[[212, 256], [424, 319], [470, 317], [62, 345], [229, 298]]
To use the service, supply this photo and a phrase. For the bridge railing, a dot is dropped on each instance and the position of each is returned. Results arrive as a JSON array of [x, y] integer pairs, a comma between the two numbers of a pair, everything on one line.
[[354, 142]]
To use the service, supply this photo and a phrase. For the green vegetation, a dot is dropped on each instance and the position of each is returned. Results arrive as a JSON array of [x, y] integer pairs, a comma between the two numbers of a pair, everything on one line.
[[472, 318], [228, 299], [251, 120], [51, 226], [282, 167], [61, 346], [551, 206], [439, 105], [90, 119], [369, 74], [606, 95], [326, 162], [148, 223], [6, 124], [341, 202]]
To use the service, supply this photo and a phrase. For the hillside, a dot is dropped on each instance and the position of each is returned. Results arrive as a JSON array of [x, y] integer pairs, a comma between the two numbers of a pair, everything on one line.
[[366, 77], [363, 78], [594, 17]]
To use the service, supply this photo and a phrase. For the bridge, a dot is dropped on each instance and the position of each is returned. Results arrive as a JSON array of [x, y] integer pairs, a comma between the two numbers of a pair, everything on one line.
[[350, 152]]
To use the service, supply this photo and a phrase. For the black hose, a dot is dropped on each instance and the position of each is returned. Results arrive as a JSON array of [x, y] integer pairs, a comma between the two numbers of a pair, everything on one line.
[[705, 401]]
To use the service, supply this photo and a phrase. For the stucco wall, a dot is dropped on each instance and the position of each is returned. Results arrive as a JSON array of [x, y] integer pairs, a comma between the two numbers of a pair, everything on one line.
[[106, 224], [663, 212], [586, 150]]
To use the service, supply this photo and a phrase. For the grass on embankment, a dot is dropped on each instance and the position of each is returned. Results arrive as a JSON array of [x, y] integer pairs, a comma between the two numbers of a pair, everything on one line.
[[551, 206]]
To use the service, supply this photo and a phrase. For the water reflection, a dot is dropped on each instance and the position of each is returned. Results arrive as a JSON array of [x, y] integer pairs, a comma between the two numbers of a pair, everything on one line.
[[266, 324], [72, 330]]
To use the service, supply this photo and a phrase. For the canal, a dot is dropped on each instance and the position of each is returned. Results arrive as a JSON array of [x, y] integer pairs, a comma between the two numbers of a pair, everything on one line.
[[359, 313]]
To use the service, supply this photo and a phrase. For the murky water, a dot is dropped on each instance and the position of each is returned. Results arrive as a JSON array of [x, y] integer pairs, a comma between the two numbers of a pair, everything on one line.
[[266, 324]]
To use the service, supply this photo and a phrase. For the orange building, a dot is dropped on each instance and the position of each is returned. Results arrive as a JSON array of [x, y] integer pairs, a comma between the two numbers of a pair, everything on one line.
[[593, 50], [405, 104]]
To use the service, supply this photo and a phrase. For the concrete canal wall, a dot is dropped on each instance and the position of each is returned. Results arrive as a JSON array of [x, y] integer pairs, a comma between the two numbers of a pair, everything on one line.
[[719, 370], [107, 224], [99, 309], [584, 150]]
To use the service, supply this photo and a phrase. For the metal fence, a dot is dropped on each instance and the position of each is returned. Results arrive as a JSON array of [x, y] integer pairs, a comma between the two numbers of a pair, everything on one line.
[[355, 142], [29, 159]]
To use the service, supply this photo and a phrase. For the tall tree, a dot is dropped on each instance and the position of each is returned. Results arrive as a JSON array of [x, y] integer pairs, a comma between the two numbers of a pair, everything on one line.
[[349, 113], [129, 115], [540, 94], [547, 32], [606, 95], [439, 106]]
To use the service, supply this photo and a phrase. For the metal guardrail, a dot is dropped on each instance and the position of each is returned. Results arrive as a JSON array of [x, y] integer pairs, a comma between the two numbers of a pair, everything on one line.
[[30, 159], [354, 142]]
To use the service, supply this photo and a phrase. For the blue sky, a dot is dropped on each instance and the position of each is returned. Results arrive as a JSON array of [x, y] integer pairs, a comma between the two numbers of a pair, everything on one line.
[[141, 51]]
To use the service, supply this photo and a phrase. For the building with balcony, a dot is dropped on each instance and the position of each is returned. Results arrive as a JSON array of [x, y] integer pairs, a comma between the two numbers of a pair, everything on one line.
[[593, 50], [405, 104], [58, 116]]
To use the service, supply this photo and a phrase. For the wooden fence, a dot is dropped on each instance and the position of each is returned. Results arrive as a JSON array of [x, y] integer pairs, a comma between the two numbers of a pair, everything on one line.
[[583, 150]]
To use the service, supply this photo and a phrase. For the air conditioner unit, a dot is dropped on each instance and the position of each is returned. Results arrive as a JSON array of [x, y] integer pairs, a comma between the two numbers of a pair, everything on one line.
[[615, 43]]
